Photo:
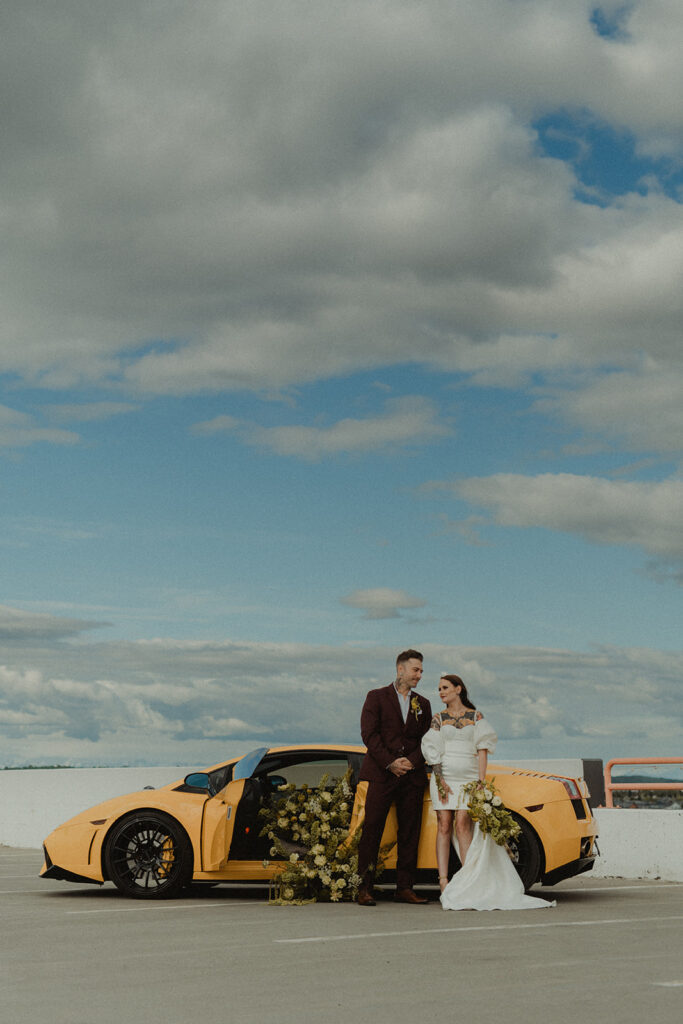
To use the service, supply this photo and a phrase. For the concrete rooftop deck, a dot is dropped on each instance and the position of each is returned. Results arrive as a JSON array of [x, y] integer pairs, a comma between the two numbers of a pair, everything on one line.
[[73, 954]]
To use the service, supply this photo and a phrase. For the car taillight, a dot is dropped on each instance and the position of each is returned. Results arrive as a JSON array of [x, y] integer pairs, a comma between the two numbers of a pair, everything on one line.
[[569, 785]]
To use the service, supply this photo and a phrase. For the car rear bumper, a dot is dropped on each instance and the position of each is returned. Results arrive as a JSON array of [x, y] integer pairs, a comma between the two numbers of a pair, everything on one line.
[[574, 867]]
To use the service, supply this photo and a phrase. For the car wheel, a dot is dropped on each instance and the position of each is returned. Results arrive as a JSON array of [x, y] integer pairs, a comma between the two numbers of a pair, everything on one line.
[[526, 853], [148, 856]]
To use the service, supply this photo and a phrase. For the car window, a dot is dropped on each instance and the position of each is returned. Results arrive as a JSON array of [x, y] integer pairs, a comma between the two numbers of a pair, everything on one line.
[[309, 773]]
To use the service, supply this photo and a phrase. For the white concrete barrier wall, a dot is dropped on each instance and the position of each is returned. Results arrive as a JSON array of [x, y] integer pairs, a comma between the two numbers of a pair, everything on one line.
[[634, 843], [34, 801], [637, 843]]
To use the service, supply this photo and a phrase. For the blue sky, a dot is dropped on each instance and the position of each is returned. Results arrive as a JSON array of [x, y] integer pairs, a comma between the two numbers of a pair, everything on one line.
[[327, 336]]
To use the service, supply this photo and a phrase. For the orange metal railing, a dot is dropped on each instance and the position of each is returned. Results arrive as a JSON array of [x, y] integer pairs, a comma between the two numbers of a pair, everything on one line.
[[654, 784]]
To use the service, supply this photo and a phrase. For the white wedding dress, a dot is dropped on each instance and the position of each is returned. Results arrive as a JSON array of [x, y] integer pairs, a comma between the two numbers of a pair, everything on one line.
[[488, 879]]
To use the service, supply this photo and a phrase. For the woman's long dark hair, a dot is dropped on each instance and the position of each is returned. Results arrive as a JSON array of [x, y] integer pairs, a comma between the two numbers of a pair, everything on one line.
[[457, 681]]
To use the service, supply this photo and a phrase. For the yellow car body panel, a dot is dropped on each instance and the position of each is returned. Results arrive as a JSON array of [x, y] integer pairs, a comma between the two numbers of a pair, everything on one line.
[[75, 850], [76, 846]]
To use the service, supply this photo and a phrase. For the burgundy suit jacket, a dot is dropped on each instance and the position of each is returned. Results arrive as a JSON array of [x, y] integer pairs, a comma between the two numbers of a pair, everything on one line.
[[387, 736]]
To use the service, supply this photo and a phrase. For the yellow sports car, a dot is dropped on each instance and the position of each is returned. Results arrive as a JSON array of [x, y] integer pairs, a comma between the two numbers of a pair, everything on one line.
[[205, 828]]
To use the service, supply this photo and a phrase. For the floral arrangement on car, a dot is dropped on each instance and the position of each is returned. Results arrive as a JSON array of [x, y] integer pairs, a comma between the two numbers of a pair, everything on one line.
[[486, 807], [309, 830]]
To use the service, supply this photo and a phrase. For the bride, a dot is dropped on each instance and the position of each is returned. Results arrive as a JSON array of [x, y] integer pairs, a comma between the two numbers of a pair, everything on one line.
[[457, 746]]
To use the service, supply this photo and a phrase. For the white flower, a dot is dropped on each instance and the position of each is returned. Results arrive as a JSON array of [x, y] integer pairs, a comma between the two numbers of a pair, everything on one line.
[[293, 858], [320, 860], [273, 851], [488, 794], [486, 808], [497, 802], [341, 883]]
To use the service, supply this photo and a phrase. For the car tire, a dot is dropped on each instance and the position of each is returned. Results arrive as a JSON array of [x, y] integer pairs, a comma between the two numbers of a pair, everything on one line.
[[148, 856], [526, 852]]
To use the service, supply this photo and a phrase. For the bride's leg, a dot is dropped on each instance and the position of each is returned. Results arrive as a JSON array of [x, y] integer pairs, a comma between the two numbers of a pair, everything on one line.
[[464, 830], [443, 845]]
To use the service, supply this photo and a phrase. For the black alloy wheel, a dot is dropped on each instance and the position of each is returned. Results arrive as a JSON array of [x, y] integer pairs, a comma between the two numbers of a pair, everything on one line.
[[148, 856], [526, 853]]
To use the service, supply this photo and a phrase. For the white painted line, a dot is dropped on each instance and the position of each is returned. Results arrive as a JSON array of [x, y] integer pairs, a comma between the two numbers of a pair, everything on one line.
[[11, 892], [614, 888], [479, 928], [3, 877], [148, 908], [668, 984]]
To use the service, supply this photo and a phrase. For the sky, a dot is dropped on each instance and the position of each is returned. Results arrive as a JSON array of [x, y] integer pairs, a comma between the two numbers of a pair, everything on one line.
[[327, 331]]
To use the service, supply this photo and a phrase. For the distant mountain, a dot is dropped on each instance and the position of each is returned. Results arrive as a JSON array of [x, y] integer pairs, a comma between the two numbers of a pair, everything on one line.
[[643, 778]]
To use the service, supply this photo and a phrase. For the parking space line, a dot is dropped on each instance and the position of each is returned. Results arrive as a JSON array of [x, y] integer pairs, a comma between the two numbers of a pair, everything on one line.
[[148, 908], [619, 888], [3, 877], [478, 928], [11, 892]]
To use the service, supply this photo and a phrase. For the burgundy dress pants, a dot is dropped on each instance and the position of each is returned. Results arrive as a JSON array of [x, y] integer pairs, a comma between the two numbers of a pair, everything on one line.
[[409, 799]]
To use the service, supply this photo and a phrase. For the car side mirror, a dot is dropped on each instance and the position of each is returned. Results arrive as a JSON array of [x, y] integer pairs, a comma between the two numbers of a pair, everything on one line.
[[275, 781], [200, 780]]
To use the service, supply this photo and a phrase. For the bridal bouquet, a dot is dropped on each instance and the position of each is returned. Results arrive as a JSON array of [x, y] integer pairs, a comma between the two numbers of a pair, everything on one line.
[[309, 832], [486, 807]]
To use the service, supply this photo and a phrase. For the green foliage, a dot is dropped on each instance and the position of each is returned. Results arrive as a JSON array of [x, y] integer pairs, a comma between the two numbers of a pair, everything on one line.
[[486, 807], [309, 830]]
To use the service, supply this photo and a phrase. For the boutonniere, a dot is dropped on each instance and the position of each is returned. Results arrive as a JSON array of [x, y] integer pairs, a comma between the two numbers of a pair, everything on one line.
[[415, 708]]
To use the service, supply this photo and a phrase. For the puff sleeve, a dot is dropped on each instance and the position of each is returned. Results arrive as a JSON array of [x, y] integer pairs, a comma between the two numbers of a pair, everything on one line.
[[432, 742], [484, 736]]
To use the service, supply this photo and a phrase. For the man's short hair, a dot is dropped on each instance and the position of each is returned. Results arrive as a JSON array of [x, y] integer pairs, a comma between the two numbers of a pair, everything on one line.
[[408, 655]]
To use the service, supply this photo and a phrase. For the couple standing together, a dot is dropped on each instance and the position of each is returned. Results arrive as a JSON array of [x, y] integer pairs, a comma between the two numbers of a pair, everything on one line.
[[400, 735]]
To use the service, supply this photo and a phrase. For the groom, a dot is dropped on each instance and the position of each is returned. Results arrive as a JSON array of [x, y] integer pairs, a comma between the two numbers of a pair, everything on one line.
[[392, 724]]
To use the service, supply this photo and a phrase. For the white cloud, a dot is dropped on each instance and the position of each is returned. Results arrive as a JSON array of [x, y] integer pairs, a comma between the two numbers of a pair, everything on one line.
[[87, 412], [411, 419], [18, 429], [645, 515], [154, 702], [217, 425], [643, 410], [287, 198], [18, 624], [382, 602], [407, 420]]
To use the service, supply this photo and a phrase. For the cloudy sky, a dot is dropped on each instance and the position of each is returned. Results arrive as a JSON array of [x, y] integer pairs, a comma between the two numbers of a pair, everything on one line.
[[328, 330]]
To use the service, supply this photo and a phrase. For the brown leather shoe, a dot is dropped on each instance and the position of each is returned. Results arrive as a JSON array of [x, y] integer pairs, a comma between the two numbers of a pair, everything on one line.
[[365, 898], [409, 896]]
